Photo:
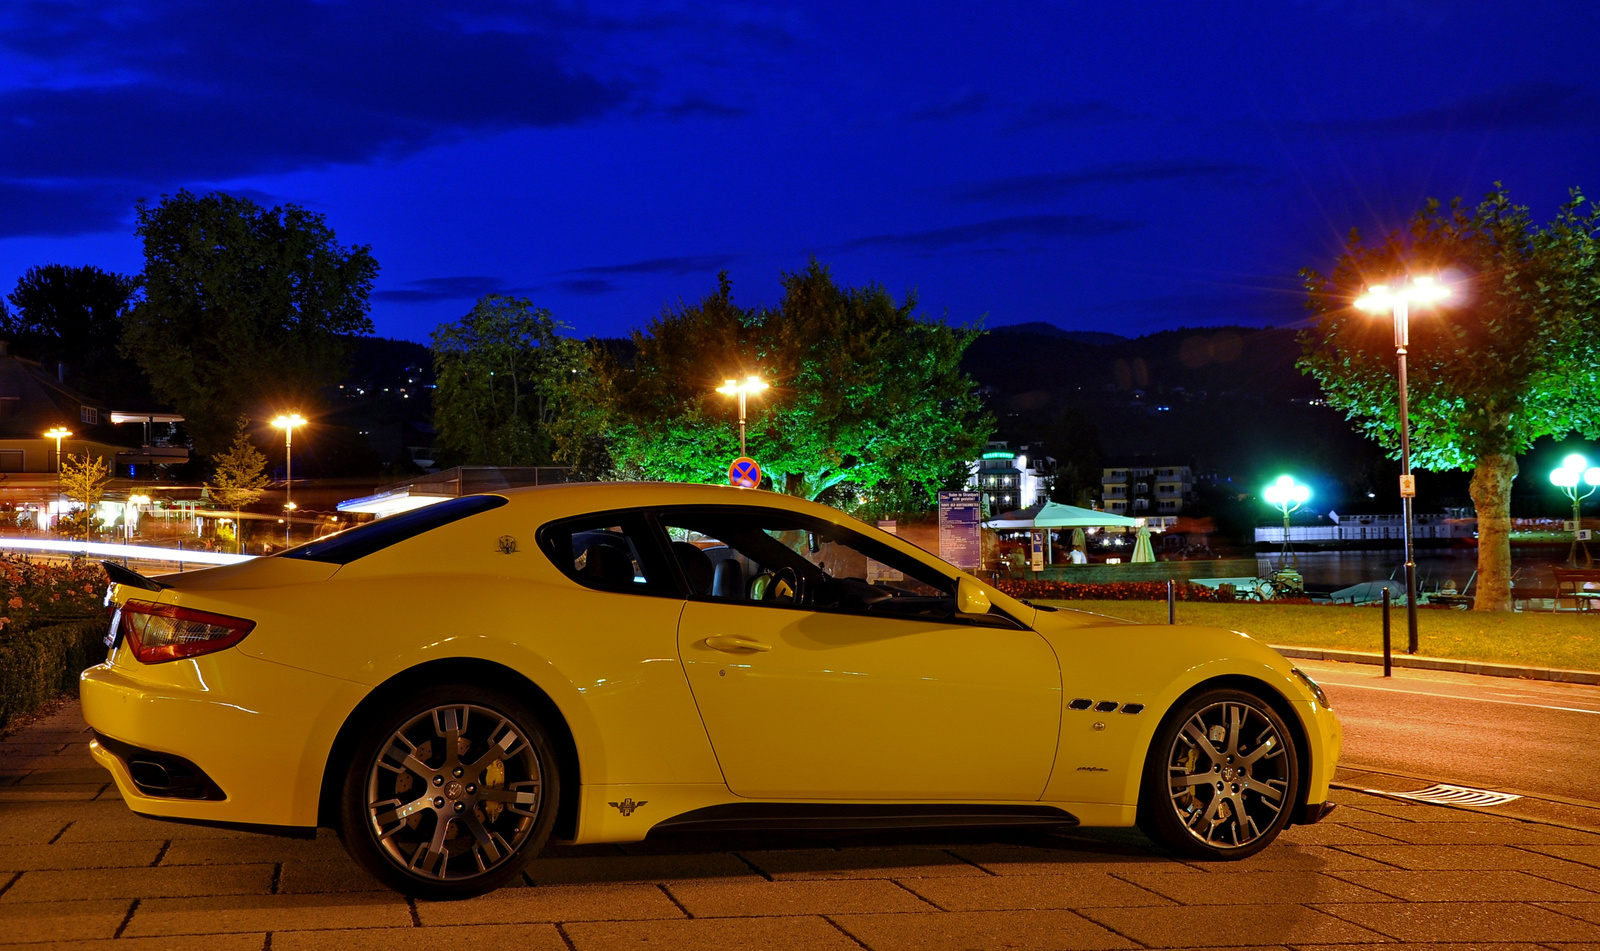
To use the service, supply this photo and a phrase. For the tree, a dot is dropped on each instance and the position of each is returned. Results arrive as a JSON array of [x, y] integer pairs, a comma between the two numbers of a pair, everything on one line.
[[239, 477], [868, 406], [244, 307], [498, 371], [1510, 359], [1074, 441], [83, 480], [74, 315]]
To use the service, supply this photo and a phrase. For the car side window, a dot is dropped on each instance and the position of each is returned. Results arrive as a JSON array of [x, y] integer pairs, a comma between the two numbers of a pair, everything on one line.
[[781, 559], [611, 551]]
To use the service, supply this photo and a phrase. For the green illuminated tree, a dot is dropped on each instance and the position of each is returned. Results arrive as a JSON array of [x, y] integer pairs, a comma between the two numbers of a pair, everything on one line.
[[239, 478], [868, 405], [245, 308], [83, 480], [499, 370], [1508, 359]]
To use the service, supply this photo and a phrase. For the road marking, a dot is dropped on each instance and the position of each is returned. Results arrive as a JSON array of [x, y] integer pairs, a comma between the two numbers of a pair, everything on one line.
[[1452, 696]]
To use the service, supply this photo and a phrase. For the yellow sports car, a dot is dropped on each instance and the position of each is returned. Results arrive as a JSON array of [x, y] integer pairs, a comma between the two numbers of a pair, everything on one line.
[[453, 687]]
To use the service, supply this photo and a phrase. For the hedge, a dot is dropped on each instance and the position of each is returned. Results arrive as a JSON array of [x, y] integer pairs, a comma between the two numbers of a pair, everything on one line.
[[1032, 590], [42, 663]]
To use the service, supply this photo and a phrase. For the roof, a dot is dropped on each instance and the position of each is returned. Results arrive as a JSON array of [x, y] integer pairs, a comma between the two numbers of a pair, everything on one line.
[[1056, 515]]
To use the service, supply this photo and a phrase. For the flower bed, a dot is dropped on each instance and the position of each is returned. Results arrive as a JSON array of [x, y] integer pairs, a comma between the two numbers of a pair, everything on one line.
[[52, 626]]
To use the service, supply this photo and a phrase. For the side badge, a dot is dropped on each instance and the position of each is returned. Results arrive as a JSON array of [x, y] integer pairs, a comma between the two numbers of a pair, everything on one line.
[[507, 545], [627, 806]]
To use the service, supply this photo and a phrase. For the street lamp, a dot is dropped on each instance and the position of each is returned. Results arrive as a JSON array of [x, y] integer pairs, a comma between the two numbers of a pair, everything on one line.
[[751, 384], [1398, 301], [1575, 471], [287, 423], [1286, 495], [58, 433]]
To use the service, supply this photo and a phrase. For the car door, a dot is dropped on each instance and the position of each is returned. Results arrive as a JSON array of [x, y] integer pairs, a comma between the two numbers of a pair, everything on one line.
[[827, 665]]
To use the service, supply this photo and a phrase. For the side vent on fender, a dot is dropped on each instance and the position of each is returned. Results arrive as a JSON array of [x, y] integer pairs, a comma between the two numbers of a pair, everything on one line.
[[1106, 706], [1133, 708], [1080, 704]]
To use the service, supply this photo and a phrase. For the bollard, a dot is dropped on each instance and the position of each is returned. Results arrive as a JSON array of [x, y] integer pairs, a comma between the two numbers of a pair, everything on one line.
[[1386, 648], [1172, 603]]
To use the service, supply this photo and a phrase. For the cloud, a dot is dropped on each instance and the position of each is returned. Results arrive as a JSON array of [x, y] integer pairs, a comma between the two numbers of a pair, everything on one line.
[[1044, 114], [588, 286], [184, 90], [1028, 189], [699, 106], [1021, 226], [459, 287], [63, 209], [679, 266], [968, 103], [1526, 105]]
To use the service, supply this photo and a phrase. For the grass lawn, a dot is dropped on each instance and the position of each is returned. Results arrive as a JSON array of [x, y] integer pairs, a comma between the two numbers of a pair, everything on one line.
[[1567, 639]]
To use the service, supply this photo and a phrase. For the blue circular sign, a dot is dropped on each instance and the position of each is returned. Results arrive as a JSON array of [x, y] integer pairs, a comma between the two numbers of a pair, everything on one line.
[[744, 473]]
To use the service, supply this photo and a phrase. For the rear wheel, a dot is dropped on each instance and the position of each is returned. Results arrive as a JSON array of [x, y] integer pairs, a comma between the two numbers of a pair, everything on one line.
[[451, 792], [1221, 778]]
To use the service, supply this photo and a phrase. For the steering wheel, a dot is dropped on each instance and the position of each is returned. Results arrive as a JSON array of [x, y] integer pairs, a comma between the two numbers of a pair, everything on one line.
[[786, 586]]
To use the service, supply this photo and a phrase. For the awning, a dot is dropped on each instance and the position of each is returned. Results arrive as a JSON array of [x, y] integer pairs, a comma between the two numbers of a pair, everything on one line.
[[1056, 515]]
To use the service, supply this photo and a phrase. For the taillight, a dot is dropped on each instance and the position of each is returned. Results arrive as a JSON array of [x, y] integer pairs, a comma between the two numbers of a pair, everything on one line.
[[158, 633]]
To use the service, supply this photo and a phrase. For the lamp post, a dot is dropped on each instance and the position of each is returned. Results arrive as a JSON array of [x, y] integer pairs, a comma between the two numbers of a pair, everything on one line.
[[1398, 301], [287, 423], [1575, 471], [751, 384], [1286, 495], [58, 433]]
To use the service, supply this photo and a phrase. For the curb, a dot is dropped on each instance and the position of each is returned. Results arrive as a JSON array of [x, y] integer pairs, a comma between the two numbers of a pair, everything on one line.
[[1557, 674]]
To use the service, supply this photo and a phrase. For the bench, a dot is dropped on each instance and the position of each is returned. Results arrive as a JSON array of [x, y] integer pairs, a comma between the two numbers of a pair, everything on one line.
[[1581, 586]]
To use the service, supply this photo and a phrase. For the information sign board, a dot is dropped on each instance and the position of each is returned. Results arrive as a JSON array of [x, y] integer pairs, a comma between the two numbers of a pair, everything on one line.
[[1036, 547], [960, 529]]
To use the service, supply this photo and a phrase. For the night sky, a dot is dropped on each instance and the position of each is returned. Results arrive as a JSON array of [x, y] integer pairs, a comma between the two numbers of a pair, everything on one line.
[[1126, 166]]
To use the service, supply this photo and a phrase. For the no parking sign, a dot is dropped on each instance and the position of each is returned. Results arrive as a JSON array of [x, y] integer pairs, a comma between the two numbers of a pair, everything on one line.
[[744, 473]]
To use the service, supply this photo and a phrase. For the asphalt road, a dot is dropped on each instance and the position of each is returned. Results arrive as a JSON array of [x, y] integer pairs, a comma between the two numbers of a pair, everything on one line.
[[1533, 738]]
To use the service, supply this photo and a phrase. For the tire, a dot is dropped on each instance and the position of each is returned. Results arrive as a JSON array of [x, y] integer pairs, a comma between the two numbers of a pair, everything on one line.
[[1222, 777], [439, 823]]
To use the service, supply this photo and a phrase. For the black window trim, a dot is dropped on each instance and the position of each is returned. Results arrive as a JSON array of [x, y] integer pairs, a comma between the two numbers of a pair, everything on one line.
[[375, 536]]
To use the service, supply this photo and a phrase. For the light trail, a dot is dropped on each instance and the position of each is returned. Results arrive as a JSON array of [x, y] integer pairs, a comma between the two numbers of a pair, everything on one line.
[[141, 552]]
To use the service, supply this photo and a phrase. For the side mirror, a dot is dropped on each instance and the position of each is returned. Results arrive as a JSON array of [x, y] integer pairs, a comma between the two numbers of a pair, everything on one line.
[[971, 598]]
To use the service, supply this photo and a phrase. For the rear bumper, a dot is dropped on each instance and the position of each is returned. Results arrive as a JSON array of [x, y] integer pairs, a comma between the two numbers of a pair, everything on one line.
[[256, 735]]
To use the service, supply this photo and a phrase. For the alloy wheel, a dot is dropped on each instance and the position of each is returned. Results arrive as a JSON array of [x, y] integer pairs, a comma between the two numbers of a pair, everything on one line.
[[1228, 775]]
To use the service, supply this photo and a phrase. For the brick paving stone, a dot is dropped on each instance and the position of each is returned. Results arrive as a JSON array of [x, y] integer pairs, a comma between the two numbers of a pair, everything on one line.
[[1334, 833], [798, 864], [1006, 892], [164, 916], [122, 825], [1013, 930], [1380, 810], [111, 855], [210, 942], [1296, 858], [29, 830], [1475, 946], [1588, 911], [329, 875], [1201, 926], [526, 937], [1459, 857], [48, 792], [1264, 888], [742, 899], [553, 903], [636, 868], [709, 934], [1463, 886], [1480, 833], [67, 775], [1030, 860], [1467, 921], [1584, 854], [1577, 875], [164, 882], [256, 848], [61, 921]]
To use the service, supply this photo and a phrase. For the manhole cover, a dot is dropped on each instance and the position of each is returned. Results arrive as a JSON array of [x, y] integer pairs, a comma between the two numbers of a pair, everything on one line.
[[1445, 794]]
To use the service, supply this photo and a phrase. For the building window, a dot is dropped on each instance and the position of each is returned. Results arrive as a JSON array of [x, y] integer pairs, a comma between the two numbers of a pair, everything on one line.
[[89, 414]]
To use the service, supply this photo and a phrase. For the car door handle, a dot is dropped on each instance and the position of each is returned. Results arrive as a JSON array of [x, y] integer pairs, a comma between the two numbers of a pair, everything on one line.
[[735, 642]]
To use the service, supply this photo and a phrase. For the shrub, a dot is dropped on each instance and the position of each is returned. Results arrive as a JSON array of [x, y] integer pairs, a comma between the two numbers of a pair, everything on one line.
[[41, 663]]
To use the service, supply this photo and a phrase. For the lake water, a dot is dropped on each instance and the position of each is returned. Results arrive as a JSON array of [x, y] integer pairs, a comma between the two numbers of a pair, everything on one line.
[[1342, 568]]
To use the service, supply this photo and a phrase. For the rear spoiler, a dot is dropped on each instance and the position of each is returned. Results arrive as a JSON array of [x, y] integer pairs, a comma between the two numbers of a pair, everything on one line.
[[131, 578]]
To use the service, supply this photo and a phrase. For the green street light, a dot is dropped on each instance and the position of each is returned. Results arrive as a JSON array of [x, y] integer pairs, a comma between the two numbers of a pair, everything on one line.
[[1286, 495], [1575, 471]]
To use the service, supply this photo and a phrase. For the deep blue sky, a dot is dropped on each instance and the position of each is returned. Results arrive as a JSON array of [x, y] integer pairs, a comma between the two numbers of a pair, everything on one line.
[[1122, 166]]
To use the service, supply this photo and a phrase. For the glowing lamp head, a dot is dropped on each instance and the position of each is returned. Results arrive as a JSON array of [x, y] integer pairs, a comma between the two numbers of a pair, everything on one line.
[[289, 421], [60, 432], [1575, 469], [751, 384], [1381, 298], [1285, 491]]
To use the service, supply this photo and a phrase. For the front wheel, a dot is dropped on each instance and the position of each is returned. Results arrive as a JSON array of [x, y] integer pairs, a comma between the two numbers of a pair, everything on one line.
[[1221, 778], [451, 792]]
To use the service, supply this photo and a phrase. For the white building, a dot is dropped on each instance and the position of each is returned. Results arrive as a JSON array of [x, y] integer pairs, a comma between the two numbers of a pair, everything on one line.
[[1009, 480]]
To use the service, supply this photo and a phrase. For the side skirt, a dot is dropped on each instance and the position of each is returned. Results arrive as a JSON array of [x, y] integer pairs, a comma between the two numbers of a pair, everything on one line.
[[782, 817]]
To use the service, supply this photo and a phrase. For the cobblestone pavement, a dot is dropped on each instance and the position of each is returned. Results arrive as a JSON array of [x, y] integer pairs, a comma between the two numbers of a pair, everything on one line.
[[77, 870]]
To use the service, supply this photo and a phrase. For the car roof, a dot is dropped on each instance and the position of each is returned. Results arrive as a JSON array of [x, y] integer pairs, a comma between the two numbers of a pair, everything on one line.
[[578, 497]]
